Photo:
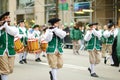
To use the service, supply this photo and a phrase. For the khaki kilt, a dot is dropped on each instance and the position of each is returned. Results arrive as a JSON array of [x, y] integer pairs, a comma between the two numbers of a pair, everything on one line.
[[6, 64], [55, 60]]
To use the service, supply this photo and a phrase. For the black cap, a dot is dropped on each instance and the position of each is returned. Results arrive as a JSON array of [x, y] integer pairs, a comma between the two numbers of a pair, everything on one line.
[[35, 26], [90, 24], [53, 21], [109, 25], [4, 14], [20, 21], [94, 23]]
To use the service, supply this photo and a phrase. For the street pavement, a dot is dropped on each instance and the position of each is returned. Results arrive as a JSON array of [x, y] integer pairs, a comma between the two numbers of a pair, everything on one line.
[[75, 68]]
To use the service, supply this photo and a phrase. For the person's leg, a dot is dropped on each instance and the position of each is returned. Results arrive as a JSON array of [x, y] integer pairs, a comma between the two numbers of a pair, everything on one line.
[[54, 73], [37, 57], [77, 46], [5, 67], [92, 64], [74, 47], [110, 53], [24, 57], [103, 50], [4, 77], [97, 57], [52, 60], [20, 58]]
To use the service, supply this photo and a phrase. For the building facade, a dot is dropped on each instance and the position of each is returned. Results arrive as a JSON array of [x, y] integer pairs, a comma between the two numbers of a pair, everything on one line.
[[40, 11]]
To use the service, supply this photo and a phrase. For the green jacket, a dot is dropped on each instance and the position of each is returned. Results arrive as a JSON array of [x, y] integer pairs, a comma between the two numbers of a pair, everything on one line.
[[110, 40], [23, 39], [75, 34], [55, 43], [93, 43], [6, 42], [103, 39]]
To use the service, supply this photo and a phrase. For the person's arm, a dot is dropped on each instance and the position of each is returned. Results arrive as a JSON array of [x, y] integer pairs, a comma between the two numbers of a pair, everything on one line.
[[10, 30], [106, 33], [59, 32], [88, 36], [97, 33], [48, 35]]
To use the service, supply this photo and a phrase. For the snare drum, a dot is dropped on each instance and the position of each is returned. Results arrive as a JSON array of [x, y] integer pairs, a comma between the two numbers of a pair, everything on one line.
[[33, 46], [19, 47], [44, 45]]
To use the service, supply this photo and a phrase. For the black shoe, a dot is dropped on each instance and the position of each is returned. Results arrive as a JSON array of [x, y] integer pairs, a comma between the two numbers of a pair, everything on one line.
[[119, 70], [89, 70], [43, 56], [25, 61], [105, 60], [114, 65], [94, 75], [38, 60], [51, 77], [21, 62]]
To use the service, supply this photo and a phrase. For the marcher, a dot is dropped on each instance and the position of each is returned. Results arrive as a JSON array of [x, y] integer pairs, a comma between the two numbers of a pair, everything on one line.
[[23, 36], [93, 37], [7, 52], [109, 35], [76, 35], [54, 36]]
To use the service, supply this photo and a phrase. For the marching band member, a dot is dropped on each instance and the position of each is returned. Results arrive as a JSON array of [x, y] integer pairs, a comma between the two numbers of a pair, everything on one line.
[[7, 52], [76, 35], [23, 36], [43, 39], [103, 39], [54, 36], [36, 35], [109, 35], [93, 37]]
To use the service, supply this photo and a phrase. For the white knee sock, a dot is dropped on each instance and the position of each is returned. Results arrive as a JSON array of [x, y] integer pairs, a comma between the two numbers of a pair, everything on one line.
[[111, 59], [37, 55], [92, 67], [4, 77], [20, 56], [54, 74], [24, 55]]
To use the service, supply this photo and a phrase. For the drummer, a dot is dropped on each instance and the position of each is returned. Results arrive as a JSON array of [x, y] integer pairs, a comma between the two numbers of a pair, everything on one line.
[[43, 39], [23, 36], [34, 33]]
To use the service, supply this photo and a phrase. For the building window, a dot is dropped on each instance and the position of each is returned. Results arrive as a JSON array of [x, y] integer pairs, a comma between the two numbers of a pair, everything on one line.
[[3, 6], [21, 4]]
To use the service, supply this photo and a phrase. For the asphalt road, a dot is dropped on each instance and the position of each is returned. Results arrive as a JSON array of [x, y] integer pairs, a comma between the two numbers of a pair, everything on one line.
[[75, 68]]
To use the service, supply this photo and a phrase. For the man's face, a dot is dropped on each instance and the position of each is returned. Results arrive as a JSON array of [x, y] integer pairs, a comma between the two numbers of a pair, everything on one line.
[[7, 18], [22, 24], [94, 26], [56, 24], [37, 29]]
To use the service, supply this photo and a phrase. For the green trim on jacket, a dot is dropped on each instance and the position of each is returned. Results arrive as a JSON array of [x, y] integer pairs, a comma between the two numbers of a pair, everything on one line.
[[93, 43], [23, 39], [110, 39], [6, 42], [55, 43]]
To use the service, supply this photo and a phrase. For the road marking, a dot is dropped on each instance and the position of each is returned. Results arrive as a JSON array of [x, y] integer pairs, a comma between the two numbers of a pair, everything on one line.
[[69, 66]]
